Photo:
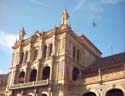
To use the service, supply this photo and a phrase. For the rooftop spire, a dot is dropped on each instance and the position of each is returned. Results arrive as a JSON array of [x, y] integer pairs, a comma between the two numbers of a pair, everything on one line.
[[22, 33], [65, 17]]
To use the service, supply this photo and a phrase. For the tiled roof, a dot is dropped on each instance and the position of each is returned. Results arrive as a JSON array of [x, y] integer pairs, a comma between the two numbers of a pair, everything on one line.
[[114, 59], [105, 63], [3, 80]]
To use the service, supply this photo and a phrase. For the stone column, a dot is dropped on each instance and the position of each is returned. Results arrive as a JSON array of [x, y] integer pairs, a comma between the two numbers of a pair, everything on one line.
[[27, 72], [39, 73], [35, 92], [13, 58], [15, 75], [49, 91]]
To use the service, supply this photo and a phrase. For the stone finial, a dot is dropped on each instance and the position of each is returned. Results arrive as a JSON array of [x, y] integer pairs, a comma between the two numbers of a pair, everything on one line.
[[65, 17], [22, 33]]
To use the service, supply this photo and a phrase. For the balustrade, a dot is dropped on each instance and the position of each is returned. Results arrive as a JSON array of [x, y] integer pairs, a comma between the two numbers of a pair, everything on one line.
[[29, 84]]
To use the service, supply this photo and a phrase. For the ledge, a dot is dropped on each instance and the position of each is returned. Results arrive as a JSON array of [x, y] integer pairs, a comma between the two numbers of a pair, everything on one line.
[[29, 84]]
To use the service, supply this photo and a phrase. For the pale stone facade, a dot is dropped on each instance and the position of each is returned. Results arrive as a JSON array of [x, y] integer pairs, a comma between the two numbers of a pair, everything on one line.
[[3, 84], [52, 63]]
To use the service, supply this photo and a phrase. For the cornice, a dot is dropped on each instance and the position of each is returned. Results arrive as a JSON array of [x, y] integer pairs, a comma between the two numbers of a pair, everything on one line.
[[88, 41], [73, 35]]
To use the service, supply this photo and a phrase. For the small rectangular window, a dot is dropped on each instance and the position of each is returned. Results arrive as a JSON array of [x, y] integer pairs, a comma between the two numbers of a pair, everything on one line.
[[21, 57], [35, 54], [74, 49], [26, 56], [45, 51]]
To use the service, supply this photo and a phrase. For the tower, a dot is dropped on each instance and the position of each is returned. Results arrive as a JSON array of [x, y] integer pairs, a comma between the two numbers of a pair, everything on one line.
[[22, 33], [65, 17]]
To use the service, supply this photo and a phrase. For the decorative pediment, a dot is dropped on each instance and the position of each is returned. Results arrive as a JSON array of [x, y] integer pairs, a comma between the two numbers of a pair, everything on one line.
[[36, 37], [37, 33]]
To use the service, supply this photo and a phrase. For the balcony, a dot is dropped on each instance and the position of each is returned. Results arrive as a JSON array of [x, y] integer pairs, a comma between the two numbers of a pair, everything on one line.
[[30, 84]]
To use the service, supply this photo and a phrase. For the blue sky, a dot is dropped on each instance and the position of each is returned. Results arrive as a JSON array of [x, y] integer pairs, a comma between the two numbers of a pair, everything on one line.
[[108, 34]]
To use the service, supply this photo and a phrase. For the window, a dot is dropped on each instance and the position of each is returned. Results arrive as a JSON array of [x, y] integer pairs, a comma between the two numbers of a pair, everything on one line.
[[21, 77], [46, 73], [33, 75], [75, 74], [44, 51], [74, 49], [78, 54], [26, 55], [21, 57], [50, 49], [35, 54]]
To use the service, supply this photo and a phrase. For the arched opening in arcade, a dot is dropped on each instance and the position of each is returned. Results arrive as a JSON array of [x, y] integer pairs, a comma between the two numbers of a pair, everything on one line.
[[115, 92], [33, 75], [89, 94], [75, 74], [44, 95], [46, 73], [21, 77]]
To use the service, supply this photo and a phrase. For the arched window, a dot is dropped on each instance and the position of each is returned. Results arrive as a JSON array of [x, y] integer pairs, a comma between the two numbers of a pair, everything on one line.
[[115, 92], [26, 55], [50, 49], [78, 55], [21, 57], [74, 49], [33, 75], [21, 77], [75, 74], [45, 51], [46, 73], [35, 54], [89, 94]]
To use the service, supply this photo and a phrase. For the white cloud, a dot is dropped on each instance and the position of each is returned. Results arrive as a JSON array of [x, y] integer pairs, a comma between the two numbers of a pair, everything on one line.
[[40, 3], [6, 39], [111, 2], [96, 6], [79, 5]]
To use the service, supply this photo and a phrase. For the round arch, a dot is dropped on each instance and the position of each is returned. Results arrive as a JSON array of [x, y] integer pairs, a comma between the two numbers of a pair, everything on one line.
[[89, 94], [21, 77], [30, 94], [45, 93], [46, 73], [33, 75], [115, 92], [111, 87]]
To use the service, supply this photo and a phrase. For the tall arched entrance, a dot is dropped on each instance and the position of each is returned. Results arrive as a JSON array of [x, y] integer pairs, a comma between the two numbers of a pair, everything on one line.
[[89, 94], [115, 92]]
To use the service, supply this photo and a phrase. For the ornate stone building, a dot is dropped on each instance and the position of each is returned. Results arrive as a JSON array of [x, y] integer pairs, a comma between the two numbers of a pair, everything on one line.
[[60, 63], [3, 84]]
